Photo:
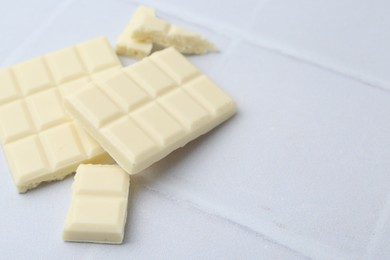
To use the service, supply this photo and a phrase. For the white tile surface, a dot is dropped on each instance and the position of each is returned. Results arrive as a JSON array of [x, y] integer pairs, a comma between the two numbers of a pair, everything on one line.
[[346, 36], [301, 171]]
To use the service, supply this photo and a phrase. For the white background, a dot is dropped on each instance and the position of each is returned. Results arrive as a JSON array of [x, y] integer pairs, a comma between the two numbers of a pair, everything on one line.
[[303, 170]]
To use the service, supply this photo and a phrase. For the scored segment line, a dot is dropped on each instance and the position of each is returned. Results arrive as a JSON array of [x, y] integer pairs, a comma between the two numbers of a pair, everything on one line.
[[31, 108], [99, 205], [173, 103]]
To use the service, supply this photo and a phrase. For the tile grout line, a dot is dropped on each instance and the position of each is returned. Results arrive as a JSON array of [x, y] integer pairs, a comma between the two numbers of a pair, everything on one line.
[[189, 204], [329, 66], [274, 235]]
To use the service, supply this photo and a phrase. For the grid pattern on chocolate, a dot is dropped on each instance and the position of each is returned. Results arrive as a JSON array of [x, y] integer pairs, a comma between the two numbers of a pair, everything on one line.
[[145, 111], [99, 205], [41, 142]]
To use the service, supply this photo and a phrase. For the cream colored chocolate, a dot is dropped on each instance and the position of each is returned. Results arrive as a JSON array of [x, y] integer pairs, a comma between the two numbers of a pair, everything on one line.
[[159, 31], [40, 141], [147, 110], [126, 45], [99, 205]]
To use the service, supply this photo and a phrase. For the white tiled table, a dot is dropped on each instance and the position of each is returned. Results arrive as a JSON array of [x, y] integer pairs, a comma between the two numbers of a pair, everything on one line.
[[303, 170]]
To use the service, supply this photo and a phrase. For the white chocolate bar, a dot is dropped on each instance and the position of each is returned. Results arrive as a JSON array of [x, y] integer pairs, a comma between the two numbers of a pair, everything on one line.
[[147, 110], [126, 45], [159, 31], [40, 141], [99, 205]]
